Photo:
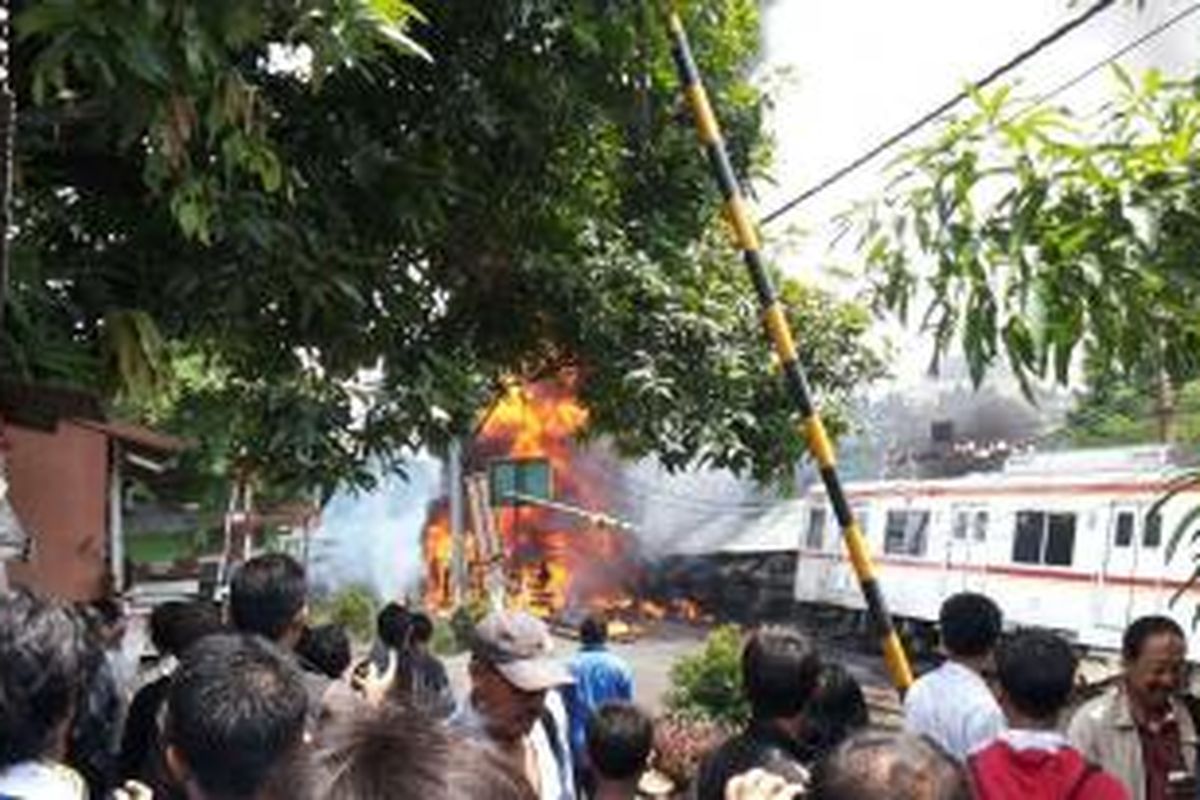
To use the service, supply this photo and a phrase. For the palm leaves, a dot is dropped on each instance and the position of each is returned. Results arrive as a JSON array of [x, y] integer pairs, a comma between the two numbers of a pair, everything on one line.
[[1187, 481]]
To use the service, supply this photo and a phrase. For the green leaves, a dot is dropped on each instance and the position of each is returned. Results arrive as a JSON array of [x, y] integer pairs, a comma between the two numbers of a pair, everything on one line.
[[1049, 235], [182, 84], [347, 249]]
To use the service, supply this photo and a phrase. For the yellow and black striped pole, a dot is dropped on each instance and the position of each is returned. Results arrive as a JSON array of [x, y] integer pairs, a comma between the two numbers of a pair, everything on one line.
[[777, 327]]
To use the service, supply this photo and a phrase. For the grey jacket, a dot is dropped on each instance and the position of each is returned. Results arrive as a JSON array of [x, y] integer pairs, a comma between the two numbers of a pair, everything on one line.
[[1104, 731]]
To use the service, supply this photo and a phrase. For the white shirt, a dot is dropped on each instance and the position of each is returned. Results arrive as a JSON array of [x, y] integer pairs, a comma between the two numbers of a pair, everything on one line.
[[41, 780], [953, 706]]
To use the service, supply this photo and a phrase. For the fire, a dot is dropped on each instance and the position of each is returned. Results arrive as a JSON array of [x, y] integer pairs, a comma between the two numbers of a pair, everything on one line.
[[553, 559]]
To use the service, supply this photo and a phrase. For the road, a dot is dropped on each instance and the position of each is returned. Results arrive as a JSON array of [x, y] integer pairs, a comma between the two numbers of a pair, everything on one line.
[[651, 656]]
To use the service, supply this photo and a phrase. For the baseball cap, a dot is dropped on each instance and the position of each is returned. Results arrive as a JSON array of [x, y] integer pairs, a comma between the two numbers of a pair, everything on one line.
[[519, 646]]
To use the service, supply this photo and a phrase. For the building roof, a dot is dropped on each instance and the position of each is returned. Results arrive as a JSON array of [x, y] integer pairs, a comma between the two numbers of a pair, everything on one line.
[[136, 435], [43, 406]]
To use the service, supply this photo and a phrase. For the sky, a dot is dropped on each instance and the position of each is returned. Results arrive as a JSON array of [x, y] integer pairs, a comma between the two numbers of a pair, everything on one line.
[[845, 74]]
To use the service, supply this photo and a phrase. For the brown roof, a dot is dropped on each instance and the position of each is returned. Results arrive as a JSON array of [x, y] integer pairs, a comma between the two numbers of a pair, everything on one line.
[[136, 435], [41, 406]]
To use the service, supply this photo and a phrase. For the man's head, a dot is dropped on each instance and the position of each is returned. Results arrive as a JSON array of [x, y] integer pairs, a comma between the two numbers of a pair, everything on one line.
[[836, 709], [42, 652], [394, 753], [619, 738], [970, 625], [512, 667], [1036, 672], [235, 716], [889, 766], [268, 597], [392, 626], [422, 630], [1153, 649], [326, 647], [779, 672], [176, 625], [594, 630]]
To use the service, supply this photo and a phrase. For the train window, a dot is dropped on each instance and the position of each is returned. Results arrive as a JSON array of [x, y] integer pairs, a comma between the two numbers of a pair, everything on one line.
[[1043, 538], [1152, 530], [906, 532], [1027, 543], [959, 530], [815, 538], [1060, 543], [1124, 534], [981, 526]]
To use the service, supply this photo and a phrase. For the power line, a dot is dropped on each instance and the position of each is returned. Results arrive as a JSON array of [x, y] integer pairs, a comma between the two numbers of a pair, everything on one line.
[[930, 116], [1120, 52]]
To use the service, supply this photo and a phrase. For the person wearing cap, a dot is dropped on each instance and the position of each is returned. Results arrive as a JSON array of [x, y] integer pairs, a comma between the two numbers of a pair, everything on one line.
[[514, 701]]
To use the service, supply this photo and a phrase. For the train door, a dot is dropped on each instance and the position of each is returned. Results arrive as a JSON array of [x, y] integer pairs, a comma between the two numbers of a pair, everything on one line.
[[1116, 582], [966, 549], [1151, 595], [812, 566]]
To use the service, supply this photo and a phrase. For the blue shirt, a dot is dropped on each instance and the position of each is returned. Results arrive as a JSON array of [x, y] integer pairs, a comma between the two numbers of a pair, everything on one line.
[[600, 676]]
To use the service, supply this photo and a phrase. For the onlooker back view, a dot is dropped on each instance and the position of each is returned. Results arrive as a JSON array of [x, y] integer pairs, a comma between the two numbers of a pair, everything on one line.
[[1032, 760], [952, 704], [41, 655]]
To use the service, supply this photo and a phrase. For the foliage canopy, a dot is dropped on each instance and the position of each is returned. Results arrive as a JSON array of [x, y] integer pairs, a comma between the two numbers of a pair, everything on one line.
[[313, 251]]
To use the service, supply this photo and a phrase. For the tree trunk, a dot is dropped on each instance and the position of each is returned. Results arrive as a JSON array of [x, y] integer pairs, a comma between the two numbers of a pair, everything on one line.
[[1164, 408]]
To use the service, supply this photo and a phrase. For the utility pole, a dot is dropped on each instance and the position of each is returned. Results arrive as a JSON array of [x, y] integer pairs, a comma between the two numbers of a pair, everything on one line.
[[745, 235], [458, 544]]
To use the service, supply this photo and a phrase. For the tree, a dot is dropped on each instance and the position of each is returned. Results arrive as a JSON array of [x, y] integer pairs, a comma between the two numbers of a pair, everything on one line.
[[1122, 409], [355, 259], [1035, 234]]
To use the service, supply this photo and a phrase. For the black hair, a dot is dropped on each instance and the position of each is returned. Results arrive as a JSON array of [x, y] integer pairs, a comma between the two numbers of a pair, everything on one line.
[[836, 709], [889, 766], [267, 594], [42, 650], [619, 738], [326, 647], [177, 624], [395, 752], [109, 610], [779, 672], [594, 630], [970, 624], [235, 713], [392, 625], [422, 628], [91, 749], [1142, 629], [1036, 669]]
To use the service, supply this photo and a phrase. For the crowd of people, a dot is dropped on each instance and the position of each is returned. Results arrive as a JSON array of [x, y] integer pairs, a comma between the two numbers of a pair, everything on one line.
[[249, 702]]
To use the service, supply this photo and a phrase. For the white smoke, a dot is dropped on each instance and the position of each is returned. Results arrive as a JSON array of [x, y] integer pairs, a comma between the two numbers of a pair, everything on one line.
[[373, 539]]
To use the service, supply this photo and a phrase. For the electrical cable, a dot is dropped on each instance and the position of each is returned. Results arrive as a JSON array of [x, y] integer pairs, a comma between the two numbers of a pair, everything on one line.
[[925, 119]]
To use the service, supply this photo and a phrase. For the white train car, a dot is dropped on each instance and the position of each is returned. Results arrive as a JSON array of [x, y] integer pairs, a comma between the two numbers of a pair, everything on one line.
[[1061, 540]]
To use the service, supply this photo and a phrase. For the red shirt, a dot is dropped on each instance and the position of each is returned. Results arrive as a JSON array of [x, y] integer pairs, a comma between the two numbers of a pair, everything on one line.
[[1161, 755], [1038, 765]]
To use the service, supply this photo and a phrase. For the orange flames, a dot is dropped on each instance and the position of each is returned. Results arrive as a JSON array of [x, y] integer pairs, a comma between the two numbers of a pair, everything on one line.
[[552, 558]]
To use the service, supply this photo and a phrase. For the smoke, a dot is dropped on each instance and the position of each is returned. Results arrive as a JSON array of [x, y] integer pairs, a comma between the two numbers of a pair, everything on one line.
[[373, 539], [704, 511]]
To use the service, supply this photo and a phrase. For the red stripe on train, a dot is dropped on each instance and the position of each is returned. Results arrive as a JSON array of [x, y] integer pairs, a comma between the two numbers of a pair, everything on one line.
[[1035, 489], [1034, 573]]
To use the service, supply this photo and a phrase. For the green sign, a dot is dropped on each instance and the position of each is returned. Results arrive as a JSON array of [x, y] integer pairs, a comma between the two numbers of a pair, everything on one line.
[[529, 477]]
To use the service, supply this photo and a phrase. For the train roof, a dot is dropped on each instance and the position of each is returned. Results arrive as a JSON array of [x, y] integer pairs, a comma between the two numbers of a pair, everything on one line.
[[1116, 470]]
